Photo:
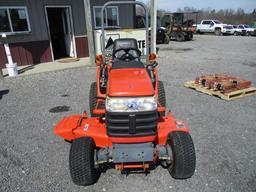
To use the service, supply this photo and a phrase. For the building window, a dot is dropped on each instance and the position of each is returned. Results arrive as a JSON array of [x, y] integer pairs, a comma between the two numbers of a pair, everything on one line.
[[111, 17], [14, 20]]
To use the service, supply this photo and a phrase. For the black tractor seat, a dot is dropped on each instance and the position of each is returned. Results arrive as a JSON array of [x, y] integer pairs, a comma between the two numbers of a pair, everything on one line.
[[125, 43], [126, 46]]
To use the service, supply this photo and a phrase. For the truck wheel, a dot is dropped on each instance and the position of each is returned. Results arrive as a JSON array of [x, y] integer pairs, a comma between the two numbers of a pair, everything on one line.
[[184, 157], [247, 33], [81, 162], [218, 32], [161, 96], [190, 36], [180, 37], [93, 98], [236, 33]]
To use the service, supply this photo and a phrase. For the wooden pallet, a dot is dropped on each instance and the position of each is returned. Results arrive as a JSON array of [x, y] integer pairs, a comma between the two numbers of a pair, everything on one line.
[[226, 96]]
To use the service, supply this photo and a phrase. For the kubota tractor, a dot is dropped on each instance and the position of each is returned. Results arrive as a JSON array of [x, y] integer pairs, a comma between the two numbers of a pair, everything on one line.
[[130, 128]]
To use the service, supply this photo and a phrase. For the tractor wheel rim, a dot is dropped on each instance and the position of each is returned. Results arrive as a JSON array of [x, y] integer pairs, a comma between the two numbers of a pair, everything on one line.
[[171, 161]]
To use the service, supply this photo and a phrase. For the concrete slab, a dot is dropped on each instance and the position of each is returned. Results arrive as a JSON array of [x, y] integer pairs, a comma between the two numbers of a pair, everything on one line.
[[51, 66]]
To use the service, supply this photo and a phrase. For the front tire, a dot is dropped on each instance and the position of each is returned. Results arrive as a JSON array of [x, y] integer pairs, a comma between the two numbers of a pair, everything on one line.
[[81, 162], [180, 37], [184, 157], [161, 96]]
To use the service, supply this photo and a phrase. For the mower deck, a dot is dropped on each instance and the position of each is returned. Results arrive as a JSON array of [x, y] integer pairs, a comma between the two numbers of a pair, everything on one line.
[[77, 126]]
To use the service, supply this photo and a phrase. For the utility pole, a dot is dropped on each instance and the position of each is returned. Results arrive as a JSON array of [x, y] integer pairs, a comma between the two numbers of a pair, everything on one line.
[[88, 19], [153, 16], [1, 72]]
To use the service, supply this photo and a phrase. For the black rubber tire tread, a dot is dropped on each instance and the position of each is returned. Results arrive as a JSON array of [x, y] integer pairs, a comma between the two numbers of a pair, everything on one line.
[[81, 162], [184, 157], [180, 37], [161, 96], [93, 98], [218, 32], [190, 36], [187, 37]]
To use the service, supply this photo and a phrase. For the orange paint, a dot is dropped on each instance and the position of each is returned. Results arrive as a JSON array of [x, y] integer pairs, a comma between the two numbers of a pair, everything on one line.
[[132, 139], [71, 128], [120, 167], [130, 82], [125, 82]]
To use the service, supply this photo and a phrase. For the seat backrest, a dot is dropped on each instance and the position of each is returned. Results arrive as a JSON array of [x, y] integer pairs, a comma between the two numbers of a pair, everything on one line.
[[125, 43]]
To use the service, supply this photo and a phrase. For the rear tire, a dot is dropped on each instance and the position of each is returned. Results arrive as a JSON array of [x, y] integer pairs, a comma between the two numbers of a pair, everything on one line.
[[236, 33], [184, 157], [161, 96], [93, 98], [180, 37], [218, 32], [81, 162], [190, 36]]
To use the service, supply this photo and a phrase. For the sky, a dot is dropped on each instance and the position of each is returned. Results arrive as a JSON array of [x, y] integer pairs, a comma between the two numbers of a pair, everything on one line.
[[173, 5]]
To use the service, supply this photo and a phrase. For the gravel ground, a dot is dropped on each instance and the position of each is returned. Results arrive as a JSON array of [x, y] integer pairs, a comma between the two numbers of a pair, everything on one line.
[[32, 158]]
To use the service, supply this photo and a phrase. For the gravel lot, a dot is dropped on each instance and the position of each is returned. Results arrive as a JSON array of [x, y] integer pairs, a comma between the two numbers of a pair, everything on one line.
[[32, 158]]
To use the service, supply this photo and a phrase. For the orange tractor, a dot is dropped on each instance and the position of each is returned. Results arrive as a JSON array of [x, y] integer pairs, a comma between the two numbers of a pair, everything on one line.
[[129, 128]]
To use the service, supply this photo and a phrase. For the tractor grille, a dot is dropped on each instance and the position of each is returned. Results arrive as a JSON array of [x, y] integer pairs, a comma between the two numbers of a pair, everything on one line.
[[127, 124]]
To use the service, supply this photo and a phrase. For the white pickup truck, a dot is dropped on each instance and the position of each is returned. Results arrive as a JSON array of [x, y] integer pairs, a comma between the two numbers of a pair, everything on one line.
[[213, 26]]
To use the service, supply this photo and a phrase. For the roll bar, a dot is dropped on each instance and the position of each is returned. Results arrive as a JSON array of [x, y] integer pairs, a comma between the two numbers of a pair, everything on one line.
[[103, 27]]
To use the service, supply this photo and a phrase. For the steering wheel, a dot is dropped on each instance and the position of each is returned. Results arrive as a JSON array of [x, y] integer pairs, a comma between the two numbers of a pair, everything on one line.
[[128, 55]]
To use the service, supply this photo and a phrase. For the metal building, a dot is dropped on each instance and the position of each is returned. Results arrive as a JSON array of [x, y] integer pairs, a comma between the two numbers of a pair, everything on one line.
[[40, 31]]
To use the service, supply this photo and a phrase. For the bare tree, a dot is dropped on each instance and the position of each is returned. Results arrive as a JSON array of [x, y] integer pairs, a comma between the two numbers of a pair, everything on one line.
[[229, 16]]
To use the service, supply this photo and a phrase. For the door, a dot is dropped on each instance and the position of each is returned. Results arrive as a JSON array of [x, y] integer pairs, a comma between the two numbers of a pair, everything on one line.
[[205, 26], [68, 35], [60, 31]]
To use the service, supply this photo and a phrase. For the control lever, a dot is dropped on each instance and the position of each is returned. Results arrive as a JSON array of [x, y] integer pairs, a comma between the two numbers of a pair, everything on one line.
[[103, 78]]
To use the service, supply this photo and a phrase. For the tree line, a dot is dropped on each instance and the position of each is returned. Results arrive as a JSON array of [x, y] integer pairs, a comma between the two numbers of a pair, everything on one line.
[[229, 16]]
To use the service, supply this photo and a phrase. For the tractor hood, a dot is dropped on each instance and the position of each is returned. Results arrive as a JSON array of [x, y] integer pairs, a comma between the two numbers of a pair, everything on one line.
[[129, 83]]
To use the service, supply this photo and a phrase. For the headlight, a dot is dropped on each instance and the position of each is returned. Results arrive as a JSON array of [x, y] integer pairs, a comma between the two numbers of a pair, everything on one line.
[[130, 104]]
